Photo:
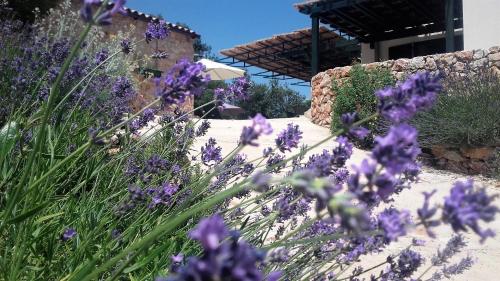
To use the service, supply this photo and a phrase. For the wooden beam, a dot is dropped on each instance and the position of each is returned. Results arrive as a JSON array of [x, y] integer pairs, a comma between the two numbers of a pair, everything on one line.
[[315, 45]]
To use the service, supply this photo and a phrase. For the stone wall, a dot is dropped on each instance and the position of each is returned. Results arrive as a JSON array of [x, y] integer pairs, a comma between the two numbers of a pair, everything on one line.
[[458, 63]]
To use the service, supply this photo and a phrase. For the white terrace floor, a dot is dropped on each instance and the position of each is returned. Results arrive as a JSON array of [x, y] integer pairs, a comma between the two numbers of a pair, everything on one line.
[[487, 255]]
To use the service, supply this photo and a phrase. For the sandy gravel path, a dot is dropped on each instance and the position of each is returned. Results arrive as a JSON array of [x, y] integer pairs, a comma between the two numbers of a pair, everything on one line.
[[487, 255]]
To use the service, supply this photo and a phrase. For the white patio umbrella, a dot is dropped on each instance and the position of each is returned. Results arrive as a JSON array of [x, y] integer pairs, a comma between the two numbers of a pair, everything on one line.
[[220, 71]]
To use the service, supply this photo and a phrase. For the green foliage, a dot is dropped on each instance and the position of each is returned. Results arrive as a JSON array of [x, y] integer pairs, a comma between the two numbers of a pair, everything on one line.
[[357, 93], [25, 8], [209, 111], [466, 114], [274, 101]]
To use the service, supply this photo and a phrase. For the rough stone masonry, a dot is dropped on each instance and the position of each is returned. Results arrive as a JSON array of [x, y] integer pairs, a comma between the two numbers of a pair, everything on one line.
[[458, 63]]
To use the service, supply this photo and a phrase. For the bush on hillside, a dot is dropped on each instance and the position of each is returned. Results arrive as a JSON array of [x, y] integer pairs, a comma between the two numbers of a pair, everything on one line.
[[467, 113], [357, 93], [274, 101]]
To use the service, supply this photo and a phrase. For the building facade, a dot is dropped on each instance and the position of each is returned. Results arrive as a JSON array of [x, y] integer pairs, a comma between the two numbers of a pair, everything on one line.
[[179, 45]]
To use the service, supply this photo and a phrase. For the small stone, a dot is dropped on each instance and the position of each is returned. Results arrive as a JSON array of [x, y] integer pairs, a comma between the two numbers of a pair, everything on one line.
[[478, 167], [479, 63], [494, 57], [465, 56], [453, 156], [439, 151], [459, 66], [417, 63], [479, 54], [326, 81], [387, 64], [496, 69], [456, 166], [344, 71], [495, 49], [400, 65], [448, 59], [483, 153], [430, 64]]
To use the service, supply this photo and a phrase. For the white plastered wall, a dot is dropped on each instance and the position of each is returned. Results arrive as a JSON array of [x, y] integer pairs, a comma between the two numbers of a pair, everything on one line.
[[481, 24]]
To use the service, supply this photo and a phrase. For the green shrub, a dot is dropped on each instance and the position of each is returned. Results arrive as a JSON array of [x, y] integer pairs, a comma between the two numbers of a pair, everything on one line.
[[274, 101], [467, 113], [357, 93]]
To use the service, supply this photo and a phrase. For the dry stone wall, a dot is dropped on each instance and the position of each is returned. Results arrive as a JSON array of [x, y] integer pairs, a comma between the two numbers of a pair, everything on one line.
[[458, 63]]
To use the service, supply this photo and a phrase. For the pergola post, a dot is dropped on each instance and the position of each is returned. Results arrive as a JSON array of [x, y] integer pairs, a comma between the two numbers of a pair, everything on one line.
[[315, 45], [450, 25]]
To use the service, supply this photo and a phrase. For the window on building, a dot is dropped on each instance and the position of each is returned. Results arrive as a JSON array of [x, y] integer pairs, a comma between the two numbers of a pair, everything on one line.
[[424, 48]]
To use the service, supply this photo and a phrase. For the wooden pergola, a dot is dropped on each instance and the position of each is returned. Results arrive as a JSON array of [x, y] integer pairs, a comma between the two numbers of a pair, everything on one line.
[[371, 21], [289, 55]]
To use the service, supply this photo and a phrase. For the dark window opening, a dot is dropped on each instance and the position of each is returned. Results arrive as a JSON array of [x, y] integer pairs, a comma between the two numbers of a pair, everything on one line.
[[424, 48]]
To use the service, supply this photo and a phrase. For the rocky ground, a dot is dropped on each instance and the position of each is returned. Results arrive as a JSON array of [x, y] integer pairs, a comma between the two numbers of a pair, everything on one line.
[[487, 255]]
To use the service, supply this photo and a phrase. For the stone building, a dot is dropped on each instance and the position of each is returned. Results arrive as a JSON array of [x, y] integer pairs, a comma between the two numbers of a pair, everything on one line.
[[179, 45]]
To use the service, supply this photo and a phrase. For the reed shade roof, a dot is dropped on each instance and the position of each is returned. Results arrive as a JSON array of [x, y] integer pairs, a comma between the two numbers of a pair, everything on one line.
[[289, 54], [378, 20]]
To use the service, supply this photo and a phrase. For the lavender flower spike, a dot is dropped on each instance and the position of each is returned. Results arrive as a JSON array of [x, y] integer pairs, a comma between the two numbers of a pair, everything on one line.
[[156, 30], [210, 232], [289, 138], [466, 207], [260, 126], [400, 103], [68, 234]]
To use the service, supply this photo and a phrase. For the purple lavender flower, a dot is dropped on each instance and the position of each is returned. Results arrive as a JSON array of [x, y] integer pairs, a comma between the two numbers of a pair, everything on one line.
[[211, 153], [157, 30], [101, 56], [126, 46], [275, 163], [163, 194], [408, 262], [426, 213], [68, 234], [267, 152], [239, 89], [279, 255], [136, 194], [458, 268], [394, 223], [156, 164], [260, 181], [356, 132], [320, 189], [185, 79], [86, 11], [289, 138], [105, 17], [353, 217], [233, 260], [465, 207], [453, 247], [203, 128], [177, 261], [379, 186], [210, 232], [402, 102], [327, 163], [260, 126], [398, 149]]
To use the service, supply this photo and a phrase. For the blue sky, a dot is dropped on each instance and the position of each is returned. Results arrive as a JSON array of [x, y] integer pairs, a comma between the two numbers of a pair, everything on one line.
[[226, 23]]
